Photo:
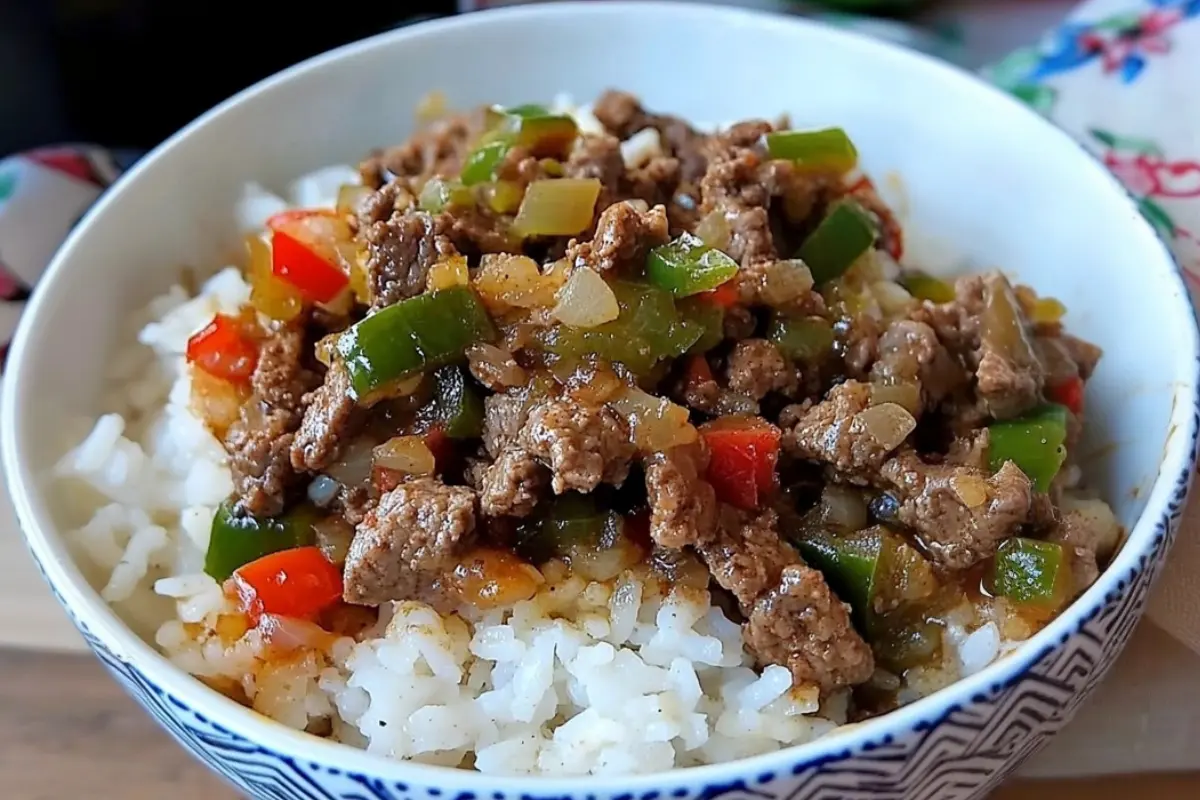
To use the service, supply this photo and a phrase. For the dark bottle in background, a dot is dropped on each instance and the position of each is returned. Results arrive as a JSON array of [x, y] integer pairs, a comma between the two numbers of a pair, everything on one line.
[[128, 73]]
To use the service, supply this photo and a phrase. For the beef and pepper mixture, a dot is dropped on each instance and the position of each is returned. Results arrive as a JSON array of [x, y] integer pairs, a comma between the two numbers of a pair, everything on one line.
[[697, 353]]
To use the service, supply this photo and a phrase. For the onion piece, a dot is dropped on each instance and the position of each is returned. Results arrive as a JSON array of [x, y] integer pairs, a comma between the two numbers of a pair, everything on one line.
[[447, 273], [217, 402], [507, 281], [354, 467], [713, 230], [586, 300], [655, 423], [889, 423], [284, 634], [785, 281], [334, 535], [407, 454], [495, 367], [904, 394], [971, 490], [350, 197], [843, 507]]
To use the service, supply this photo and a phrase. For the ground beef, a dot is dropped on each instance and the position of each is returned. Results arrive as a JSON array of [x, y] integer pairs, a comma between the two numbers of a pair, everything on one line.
[[793, 619], [909, 352], [281, 378], [407, 542], [258, 445], [961, 514], [731, 186], [970, 449], [400, 252], [599, 157], [755, 367], [832, 433], [511, 485], [583, 444], [329, 418], [623, 116], [438, 149], [1009, 377], [624, 235], [801, 625], [683, 505], [1085, 354], [503, 417], [746, 555], [1088, 531]]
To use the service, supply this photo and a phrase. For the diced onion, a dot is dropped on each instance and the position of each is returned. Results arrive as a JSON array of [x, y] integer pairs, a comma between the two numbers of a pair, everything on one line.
[[889, 423], [217, 402], [586, 300], [489, 578], [713, 230], [284, 634], [971, 490], [507, 281], [350, 197], [448, 273], [557, 207], [906, 394], [269, 295], [641, 147], [893, 299], [334, 535], [843, 507], [407, 454], [494, 367], [431, 107], [655, 423], [785, 282], [354, 467]]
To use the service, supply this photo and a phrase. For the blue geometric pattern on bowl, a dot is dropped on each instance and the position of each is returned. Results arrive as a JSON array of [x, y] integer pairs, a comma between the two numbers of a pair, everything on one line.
[[960, 755]]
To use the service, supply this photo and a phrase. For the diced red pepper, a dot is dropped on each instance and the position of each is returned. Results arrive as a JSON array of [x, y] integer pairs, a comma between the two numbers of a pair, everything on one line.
[[744, 451], [1069, 393], [442, 447], [697, 372], [724, 296], [304, 252], [291, 583], [222, 349]]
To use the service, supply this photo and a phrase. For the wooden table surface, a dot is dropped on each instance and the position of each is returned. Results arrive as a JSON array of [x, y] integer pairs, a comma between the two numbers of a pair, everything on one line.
[[68, 731]]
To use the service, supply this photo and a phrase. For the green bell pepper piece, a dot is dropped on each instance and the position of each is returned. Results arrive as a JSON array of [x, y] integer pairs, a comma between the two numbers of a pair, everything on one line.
[[648, 329], [710, 318], [826, 150], [801, 338], [926, 287], [568, 521], [845, 234], [439, 194], [1034, 441], [425, 331], [237, 540], [687, 266], [1030, 572], [456, 406], [849, 560], [546, 135]]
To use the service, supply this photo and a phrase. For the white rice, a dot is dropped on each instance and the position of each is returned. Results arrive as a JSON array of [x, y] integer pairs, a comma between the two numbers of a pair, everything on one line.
[[585, 678]]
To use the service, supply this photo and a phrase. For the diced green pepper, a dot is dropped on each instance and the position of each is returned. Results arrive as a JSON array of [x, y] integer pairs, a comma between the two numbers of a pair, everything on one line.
[[456, 406], [649, 329], [238, 540], [801, 338], [482, 162], [926, 287], [557, 207], [826, 150], [438, 194], [425, 331], [849, 560], [687, 266], [1031, 572], [531, 126], [845, 234], [887, 583], [570, 520], [1034, 441], [710, 318]]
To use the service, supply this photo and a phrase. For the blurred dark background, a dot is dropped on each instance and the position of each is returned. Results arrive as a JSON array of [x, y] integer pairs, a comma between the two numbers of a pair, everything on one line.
[[127, 73]]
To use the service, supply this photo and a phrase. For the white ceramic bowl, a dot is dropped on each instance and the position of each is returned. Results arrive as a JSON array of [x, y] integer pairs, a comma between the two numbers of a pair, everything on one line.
[[985, 183]]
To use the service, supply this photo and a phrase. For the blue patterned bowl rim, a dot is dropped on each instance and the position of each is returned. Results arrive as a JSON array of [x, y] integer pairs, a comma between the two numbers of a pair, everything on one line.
[[92, 615]]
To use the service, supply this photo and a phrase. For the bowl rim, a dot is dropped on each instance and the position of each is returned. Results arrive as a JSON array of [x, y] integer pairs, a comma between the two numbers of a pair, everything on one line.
[[88, 611]]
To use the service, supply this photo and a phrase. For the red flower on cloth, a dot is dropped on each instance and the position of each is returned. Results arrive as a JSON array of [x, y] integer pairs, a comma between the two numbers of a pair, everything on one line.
[[75, 162]]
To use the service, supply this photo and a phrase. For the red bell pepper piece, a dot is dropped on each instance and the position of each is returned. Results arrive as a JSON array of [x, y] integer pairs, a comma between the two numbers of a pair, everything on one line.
[[744, 452], [304, 252], [697, 372], [1069, 393], [441, 446], [291, 583], [724, 296], [222, 349]]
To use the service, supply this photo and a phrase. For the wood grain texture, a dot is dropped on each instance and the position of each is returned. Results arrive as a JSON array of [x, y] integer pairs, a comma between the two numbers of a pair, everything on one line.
[[68, 731]]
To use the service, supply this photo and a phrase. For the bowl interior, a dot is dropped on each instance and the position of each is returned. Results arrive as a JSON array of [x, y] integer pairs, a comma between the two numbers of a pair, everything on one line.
[[978, 180]]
